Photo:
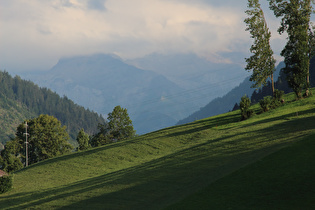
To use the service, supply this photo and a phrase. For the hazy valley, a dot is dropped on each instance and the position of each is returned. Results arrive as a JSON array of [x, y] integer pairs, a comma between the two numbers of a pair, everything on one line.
[[157, 90]]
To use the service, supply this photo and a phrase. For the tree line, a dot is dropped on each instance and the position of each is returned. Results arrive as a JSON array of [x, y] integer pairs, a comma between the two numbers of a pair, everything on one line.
[[295, 22], [45, 137]]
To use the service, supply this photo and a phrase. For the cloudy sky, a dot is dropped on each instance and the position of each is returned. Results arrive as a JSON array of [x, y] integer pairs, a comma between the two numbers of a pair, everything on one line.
[[35, 33]]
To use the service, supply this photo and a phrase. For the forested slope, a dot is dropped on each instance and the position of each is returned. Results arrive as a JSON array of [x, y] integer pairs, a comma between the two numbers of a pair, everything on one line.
[[21, 99], [11, 115]]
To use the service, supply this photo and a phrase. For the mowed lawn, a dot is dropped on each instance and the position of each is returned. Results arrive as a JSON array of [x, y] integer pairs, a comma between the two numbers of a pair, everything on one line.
[[159, 169]]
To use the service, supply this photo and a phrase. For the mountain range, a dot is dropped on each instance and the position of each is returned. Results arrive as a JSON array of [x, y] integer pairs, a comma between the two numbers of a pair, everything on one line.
[[157, 90], [205, 78]]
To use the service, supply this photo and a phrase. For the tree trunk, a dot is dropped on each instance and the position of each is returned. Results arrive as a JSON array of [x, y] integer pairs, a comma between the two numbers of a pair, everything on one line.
[[272, 85], [307, 91]]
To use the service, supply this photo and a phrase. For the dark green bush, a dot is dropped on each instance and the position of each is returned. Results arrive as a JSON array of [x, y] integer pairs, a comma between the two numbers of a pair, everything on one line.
[[266, 104], [278, 95], [272, 102], [278, 98], [6, 183], [244, 107]]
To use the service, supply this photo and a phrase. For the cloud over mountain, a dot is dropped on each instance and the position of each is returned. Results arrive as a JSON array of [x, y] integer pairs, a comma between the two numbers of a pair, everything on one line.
[[56, 28]]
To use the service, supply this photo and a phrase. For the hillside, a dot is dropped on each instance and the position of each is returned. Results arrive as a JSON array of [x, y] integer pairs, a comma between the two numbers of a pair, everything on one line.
[[221, 104], [11, 115], [226, 102], [282, 180], [21, 100], [156, 170]]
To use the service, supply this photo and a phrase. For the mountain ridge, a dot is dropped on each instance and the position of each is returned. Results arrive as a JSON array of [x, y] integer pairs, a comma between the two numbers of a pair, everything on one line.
[[100, 82], [225, 103]]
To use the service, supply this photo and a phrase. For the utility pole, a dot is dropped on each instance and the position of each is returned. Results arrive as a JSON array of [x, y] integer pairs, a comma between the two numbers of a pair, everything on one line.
[[26, 145]]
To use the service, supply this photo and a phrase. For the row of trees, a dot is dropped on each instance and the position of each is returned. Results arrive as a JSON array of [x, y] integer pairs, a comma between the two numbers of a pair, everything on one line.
[[47, 138], [295, 21], [118, 128]]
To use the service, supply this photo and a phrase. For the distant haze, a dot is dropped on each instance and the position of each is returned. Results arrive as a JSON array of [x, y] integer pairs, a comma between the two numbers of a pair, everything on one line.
[[155, 98]]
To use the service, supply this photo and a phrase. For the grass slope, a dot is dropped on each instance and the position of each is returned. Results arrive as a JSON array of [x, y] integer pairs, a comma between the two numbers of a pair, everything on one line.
[[282, 180], [156, 170]]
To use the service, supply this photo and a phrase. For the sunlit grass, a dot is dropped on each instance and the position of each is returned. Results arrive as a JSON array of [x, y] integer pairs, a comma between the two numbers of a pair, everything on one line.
[[158, 169]]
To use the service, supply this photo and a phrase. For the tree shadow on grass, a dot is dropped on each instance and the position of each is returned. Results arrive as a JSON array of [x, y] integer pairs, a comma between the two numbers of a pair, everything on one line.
[[193, 127], [206, 124], [160, 182], [288, 117]]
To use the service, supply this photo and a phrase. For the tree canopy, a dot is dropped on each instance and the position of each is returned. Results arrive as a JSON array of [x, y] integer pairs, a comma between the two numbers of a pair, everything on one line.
[[9, 160], [83, 140], [262, 62], [118, 127], [295, 22], [47, 138]]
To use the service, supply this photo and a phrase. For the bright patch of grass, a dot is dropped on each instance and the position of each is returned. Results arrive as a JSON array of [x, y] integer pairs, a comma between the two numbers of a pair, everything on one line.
[[160, 168]]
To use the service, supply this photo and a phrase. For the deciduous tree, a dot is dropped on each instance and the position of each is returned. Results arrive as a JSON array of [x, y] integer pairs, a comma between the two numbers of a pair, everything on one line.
[[9, 160], [83, 140], [244, 107], [262, 62], [295, 22], [120, 125], [47, 138]]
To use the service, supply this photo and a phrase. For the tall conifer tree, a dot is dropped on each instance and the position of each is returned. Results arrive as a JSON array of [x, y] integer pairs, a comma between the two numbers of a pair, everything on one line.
[[262, 62]]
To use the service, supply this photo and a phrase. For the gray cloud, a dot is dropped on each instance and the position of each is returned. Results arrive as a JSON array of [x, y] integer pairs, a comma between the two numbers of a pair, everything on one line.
[[35, 34], [97, 5], [66, 3]]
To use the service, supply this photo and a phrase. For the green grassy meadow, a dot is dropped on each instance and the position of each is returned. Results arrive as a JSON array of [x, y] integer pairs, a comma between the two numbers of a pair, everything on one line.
[[218, 162]]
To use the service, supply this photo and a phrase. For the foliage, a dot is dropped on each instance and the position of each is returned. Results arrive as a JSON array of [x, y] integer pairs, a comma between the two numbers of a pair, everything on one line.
[[262, 62], [244, 107], [296, 23], [266, 103], [272, 102], [9, 161], [119, 127], [281, 84], [278, 97], [102, 137], [83, 140], [31, 100], [6, 183], [47, 138]]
